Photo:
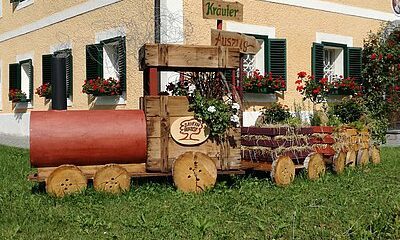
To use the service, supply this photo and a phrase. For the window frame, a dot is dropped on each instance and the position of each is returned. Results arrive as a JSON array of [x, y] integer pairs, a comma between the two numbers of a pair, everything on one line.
[[30, 94], [344, 49], [265, 38], [100, 61]]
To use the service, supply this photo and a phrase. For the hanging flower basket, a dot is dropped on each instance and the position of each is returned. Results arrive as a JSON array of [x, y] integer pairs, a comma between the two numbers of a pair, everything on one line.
[[102, 87]]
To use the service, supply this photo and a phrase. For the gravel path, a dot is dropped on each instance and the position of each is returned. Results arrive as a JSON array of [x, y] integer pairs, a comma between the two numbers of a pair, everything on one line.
[[14, 141]]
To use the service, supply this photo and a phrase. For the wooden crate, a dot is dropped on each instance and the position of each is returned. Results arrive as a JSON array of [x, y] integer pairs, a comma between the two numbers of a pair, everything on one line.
[[320, 145], [163, 150]]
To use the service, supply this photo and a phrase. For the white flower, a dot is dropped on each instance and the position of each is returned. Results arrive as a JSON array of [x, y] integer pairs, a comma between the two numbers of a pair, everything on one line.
[[236, 106], [191, 88], [235, 118], [211, 109]]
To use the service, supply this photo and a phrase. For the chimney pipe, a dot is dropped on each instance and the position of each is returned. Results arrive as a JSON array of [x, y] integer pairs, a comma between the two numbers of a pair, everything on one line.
[[58, 84]]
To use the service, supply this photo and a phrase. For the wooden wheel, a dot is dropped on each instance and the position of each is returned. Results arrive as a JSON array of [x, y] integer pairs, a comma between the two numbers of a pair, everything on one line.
[[194, 172], [64, 180], [112, 179], [375, 154], [315, 166], [351, 158], [362, 157], [283, 171], [339, 162]]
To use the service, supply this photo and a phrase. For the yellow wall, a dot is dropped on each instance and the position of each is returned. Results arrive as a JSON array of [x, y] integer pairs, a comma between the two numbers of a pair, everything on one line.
[[80, 31], [380, 5], [297, 25], [13, 18]]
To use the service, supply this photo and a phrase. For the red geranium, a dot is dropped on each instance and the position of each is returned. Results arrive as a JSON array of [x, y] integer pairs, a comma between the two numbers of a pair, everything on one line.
[[44, 91], [301, 74], [102, 87], [258, 83]]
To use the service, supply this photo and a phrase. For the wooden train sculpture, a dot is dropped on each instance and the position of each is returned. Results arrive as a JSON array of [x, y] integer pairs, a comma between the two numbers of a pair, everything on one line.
[[163, 138]]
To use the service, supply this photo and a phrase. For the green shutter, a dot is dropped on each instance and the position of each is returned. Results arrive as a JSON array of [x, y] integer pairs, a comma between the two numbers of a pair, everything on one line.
[[318, 60], [69, 71], [46, 68], [30, 74], [14, 76], [354, 62], [122, 62], [277, 58], [94, 61]]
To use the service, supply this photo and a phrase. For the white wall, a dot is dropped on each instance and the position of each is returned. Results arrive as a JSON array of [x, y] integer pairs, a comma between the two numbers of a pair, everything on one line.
[[1, 83], [16, 124]]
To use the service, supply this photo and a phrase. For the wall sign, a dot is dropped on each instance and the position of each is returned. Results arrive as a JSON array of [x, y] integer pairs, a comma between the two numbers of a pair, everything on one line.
[[246, 44], [221, 10], [189, 131], [396, 7]]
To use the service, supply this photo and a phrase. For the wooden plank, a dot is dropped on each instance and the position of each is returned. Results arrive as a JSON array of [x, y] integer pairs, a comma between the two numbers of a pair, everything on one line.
[[322, 129], [276, 131], [222, 10], [328, 150], [274, 143], [152, 106], [328, 139], [175, 57], [153, 127], [246, 44], [179, 107], [164, 126], [259, 166], [259, 157], [88, 171]]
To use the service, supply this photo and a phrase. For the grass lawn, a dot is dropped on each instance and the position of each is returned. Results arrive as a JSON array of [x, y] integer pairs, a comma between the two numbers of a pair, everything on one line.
[[360, 204]]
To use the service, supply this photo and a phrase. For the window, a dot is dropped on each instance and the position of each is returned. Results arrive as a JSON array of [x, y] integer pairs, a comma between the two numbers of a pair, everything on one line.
[[107, 59], [271, 57], [21, 77], [332, 60], [46, 69]]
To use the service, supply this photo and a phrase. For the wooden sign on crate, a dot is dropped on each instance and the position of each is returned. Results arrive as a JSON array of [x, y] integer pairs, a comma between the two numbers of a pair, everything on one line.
[[246, 44], [174, 56], [189, 131], [221, 10]]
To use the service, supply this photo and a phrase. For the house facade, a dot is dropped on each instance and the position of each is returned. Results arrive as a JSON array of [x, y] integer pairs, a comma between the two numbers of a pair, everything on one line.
[[101, 38]]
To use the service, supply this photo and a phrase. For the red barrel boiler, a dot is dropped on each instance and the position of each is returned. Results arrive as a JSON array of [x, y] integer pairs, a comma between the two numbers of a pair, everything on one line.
[[87, 137]]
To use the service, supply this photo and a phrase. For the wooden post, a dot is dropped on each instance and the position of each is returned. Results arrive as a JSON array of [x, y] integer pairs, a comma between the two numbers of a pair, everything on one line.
[[154, 82], [219, 24]]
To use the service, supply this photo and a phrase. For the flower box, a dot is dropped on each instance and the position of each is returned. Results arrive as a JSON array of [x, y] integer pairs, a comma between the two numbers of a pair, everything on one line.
[[105, 100], [16, 96], [266, 84], [260, 97], [102, 87]]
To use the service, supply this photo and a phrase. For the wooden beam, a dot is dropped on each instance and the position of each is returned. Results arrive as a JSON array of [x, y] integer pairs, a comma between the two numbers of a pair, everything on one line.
[[183, 57]]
